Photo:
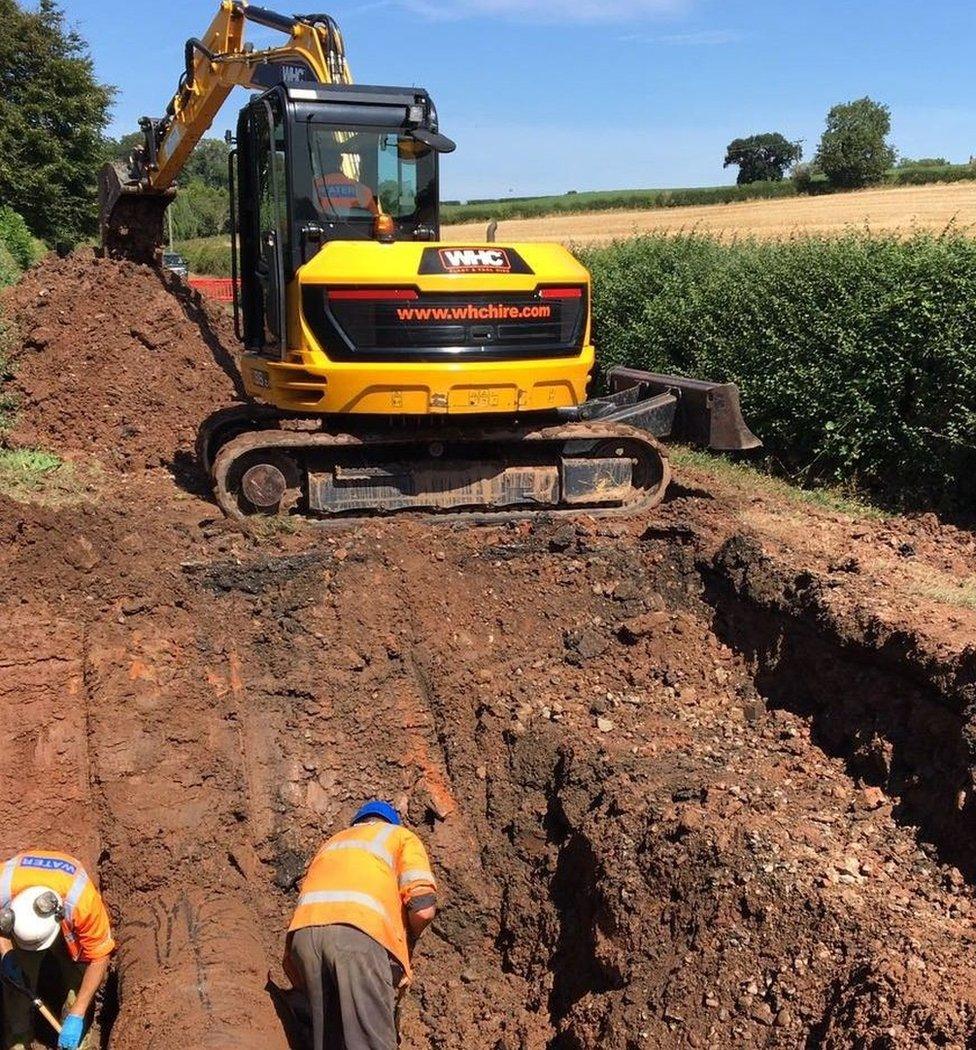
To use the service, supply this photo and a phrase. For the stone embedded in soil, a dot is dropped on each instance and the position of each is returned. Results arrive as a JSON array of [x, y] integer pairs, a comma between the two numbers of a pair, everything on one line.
[[633, 631]]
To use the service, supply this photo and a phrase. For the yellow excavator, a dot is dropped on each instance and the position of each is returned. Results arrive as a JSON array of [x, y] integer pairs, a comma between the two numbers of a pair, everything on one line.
[[389, 370]]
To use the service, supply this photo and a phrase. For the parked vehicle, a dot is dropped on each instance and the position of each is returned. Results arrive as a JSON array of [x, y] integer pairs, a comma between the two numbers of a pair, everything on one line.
[[175, 262]]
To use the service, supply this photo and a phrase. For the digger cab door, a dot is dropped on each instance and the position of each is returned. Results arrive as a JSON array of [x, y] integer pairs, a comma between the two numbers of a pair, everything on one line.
[[263, 224]]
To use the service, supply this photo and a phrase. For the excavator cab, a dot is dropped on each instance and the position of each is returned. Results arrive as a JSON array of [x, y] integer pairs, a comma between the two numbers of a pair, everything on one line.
[[317, 164]]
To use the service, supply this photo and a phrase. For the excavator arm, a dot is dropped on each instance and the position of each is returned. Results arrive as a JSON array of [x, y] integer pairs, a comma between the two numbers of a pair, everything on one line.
[[134, 194]]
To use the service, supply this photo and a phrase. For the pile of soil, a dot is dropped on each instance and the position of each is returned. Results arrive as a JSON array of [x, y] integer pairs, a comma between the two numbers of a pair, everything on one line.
[[115, 361]]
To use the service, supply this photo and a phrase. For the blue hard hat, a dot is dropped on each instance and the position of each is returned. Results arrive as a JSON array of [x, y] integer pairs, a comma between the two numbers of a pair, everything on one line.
[[383, 810]]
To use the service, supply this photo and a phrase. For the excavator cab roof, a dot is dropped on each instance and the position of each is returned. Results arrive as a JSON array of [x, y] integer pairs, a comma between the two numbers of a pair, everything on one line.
[[356, 104]]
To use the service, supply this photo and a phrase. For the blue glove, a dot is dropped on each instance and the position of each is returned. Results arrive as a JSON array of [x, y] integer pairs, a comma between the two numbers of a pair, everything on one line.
[[72, 1029], [11, 969]]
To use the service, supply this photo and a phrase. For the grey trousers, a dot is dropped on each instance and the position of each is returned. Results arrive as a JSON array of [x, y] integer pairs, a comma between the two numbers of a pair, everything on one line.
[[349, 980], [18, 1010]]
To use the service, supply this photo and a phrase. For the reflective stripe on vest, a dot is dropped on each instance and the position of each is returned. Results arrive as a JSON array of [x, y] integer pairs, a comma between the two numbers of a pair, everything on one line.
[[7, 881], [376, 846], [342, 897], [75, 891], [416, 875], [370, 847], [74, 895]]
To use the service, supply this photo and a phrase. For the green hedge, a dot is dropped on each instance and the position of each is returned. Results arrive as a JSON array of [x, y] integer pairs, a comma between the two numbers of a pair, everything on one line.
[[925, 174], [207, 256], [856, 356], [10, 271]]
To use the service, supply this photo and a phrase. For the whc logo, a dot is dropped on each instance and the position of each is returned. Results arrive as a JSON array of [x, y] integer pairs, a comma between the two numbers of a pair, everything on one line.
[[475, 260]]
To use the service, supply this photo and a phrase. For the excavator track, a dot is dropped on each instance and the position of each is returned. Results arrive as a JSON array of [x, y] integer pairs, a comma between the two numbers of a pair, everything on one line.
[[485, 473]]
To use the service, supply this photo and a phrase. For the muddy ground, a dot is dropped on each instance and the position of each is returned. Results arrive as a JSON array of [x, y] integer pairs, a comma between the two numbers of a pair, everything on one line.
[[700, 780]]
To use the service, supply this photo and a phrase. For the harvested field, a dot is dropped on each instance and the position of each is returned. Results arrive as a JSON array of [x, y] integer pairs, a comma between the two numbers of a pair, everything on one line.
[[880, 210], [700, 780]]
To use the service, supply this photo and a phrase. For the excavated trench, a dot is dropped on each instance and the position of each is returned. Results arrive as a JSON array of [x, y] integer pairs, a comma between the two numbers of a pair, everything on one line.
[[669, 802], [675, 793]]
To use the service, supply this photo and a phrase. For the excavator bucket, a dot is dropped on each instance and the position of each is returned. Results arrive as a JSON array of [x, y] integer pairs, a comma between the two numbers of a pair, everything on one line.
[[131, 216], [706, 414]]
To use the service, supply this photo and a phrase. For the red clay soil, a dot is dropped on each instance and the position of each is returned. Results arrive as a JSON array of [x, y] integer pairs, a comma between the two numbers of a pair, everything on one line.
[[685, 782], [116, 361]]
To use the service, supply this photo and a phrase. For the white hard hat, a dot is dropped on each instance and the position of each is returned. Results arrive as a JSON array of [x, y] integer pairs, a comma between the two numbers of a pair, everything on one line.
[[37, 913]]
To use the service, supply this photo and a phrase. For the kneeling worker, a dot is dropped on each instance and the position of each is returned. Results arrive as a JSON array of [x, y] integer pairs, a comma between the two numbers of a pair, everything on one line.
[[50, 907], [366, 898]]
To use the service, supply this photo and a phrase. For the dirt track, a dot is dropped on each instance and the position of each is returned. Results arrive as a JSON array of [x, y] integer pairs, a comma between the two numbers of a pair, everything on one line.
[[700, 780], [889, 210]]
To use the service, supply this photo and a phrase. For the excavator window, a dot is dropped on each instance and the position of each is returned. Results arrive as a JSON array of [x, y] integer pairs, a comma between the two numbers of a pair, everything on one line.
[[359, 173], [310, 170], [272, 206], [272, 185]]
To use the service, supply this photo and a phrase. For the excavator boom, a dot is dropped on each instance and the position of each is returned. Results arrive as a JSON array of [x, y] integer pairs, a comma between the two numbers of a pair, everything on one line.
[[134, 194]]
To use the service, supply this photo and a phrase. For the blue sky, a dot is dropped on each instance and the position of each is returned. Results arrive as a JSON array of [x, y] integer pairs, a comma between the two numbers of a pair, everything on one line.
[[603, 94]]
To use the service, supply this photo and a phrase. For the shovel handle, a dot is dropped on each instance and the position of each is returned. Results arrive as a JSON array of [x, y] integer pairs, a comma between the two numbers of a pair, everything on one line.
[[48, 1016], [35, 1000]]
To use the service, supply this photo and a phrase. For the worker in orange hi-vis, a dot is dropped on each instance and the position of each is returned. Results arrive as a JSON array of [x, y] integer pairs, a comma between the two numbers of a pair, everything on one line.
[[340, 195], [367, 897], [49, 906]]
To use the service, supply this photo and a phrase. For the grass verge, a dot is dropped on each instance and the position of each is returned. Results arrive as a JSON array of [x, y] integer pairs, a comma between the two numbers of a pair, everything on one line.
[[745, 477], [207, 256], [961, 595], [956, 591], [7, 401]]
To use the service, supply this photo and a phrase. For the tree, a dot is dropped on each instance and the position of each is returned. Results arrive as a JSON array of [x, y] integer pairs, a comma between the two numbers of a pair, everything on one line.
[[922, 162], [854, 150], [208, 164], [200, 211], [804, 177], [53, 111], [202, 206], [762, 158], [121, 149]]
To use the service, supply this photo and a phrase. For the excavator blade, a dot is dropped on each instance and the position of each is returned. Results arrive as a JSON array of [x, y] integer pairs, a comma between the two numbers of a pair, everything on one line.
[[131, 216], [706, 414]]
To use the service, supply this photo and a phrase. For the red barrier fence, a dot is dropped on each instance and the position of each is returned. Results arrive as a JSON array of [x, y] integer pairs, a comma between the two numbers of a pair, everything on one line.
[[219, 288]]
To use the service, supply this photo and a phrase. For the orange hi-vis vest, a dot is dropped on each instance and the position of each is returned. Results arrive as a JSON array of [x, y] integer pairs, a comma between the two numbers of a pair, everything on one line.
[[86, 928], [343, 195], [366, 877]]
